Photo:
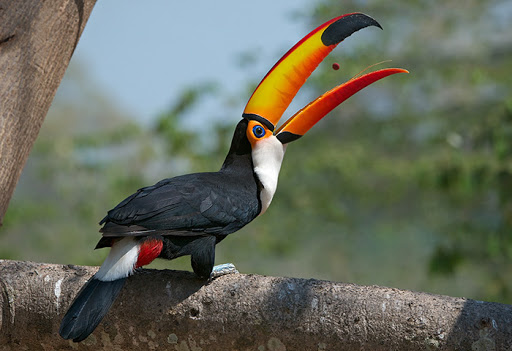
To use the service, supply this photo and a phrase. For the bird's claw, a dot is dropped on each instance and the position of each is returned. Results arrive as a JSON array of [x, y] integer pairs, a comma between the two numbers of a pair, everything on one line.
[[222, 269]]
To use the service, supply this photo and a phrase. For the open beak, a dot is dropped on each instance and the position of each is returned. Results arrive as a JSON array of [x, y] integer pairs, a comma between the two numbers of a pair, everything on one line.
[[278, 88], [307, 117]]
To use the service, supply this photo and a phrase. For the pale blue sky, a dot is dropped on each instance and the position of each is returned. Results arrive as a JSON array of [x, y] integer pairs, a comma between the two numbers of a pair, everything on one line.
[[143, 52]]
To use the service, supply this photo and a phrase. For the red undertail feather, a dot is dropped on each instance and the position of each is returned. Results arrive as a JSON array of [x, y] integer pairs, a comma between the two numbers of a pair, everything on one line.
[[149, 250]]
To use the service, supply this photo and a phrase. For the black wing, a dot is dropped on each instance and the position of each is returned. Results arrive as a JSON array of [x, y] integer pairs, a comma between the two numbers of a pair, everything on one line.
[[210, 203]]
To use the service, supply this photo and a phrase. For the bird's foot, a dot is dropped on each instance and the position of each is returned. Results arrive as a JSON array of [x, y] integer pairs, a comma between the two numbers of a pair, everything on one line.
[[223, 269]]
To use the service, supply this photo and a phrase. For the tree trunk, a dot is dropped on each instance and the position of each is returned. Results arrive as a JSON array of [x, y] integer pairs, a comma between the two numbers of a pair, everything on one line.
[[37, 39], [169, 310]]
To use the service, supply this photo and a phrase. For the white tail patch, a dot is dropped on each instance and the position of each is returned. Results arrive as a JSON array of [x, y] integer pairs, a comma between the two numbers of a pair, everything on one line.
[[121, 260]]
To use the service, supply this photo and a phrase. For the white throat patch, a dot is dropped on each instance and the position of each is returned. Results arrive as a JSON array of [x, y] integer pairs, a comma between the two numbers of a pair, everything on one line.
[[267, 157]]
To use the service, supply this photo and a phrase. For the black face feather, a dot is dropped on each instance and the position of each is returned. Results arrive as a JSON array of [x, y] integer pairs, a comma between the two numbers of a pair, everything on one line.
[[240, 144], [240, 150]]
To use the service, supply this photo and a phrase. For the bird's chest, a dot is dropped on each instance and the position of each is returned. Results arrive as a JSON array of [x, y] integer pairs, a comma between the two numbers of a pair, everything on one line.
[[267, 160]]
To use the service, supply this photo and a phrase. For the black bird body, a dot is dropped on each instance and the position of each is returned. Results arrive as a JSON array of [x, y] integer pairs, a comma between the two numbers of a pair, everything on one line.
[[186, 205], [184, 215], [183, 211], [192, 204], [190, 214]]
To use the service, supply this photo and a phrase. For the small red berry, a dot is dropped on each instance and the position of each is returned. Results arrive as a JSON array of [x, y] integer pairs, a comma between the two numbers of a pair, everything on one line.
[[335, 66]]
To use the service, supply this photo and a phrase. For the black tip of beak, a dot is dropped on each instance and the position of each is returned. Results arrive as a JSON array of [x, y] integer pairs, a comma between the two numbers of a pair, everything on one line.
[[287, 137], [346, 26]]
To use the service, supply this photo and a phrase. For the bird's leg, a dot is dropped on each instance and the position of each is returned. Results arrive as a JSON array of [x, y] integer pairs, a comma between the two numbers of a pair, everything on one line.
[[223, 269], [203, 258]]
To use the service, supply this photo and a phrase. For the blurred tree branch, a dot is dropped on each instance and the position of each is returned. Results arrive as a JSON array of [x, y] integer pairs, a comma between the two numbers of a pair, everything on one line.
[[162, 309], [37, 39]]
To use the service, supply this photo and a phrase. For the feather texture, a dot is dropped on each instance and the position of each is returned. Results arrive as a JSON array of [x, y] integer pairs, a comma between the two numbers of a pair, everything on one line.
[[89, 308], [186, 205]]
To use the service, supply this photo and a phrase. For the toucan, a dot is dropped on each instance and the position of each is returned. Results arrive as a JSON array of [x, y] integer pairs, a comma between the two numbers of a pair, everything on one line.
[[191, 214]]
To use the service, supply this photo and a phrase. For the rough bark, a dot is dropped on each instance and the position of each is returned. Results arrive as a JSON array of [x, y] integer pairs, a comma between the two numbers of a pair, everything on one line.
[[37, 39], [170, 310]]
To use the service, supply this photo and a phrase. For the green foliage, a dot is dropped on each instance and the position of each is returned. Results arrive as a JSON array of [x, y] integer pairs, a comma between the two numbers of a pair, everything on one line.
[[168, 123], [449, 143]]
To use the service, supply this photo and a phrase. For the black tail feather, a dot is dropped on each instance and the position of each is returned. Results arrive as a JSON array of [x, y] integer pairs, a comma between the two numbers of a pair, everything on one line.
[[89, 307]]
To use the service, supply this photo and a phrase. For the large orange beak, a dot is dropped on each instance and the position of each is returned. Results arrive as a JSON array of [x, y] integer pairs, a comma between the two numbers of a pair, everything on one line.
[[307, 117], [278, 88]]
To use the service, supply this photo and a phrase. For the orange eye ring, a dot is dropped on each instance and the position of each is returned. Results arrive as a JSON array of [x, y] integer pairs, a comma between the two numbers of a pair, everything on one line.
[[256, 132]]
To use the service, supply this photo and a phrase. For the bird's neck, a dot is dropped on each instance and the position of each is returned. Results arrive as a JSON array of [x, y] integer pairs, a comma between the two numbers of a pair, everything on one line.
[[237, 164], [259, 164], [258, 167]]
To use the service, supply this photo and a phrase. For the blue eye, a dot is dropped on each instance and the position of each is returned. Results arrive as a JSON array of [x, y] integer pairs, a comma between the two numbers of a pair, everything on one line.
[[258, 131]]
